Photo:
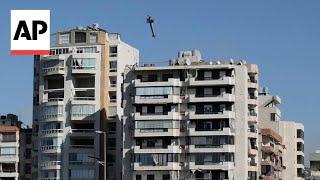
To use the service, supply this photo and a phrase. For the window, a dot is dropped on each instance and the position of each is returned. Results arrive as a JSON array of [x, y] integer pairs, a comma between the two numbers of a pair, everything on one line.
[[166, 177], [150, 91], [9, 137], [252, 175], [111, 143], [81, 173], [82, 110], [113, 66], [138, 177], [80, 37], [112, 127], [207, 75], [113, 51], [27, 168], [85, 63], [8, 151], [28, 153], [93, 38], [64, 38], [165, 77], [162, 124], [150, 177], [87, 50], [273, 116]]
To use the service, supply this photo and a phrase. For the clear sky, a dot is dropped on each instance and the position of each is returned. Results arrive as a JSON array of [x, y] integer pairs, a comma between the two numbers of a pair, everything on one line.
[[282, 37]]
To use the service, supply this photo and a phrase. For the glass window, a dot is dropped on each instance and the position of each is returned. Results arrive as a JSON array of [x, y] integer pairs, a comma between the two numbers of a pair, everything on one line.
[[111, 143], [138, 177], [80, 37], [93, 38], [82, 110], [85, 63], [112, 127], [150, 177], [64, 38], [113, 50], [148, 91], [166, 177], [81, 173], [8, 151]]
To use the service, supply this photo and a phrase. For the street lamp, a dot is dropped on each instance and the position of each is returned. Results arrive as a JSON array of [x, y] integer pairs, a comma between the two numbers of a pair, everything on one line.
[[104, 162]]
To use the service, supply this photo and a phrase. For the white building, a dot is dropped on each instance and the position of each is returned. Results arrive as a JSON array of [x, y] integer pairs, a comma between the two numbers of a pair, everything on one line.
[[74, 100], [281, 143], [191, 120]]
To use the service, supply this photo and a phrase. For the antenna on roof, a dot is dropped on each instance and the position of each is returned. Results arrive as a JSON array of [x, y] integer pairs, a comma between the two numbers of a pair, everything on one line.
[[150, 21]]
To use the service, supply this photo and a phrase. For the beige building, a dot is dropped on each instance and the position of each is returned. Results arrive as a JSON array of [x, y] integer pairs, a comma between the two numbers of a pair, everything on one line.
[[9, 152], [281, 143], [193, 119], [15, 149], [77, 95]]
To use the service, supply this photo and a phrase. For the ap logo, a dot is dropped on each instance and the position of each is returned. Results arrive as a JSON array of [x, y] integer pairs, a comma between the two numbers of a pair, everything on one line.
[[30, 32]]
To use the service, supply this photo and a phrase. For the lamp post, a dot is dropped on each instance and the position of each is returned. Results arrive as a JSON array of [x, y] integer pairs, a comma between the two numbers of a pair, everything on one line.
[[104, 163]]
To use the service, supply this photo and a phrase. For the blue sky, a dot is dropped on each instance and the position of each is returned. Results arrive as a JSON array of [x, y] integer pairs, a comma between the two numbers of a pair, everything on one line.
[[282, 37]]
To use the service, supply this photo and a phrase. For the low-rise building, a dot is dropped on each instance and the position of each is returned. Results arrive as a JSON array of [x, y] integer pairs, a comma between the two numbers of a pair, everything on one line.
[[315, 165]]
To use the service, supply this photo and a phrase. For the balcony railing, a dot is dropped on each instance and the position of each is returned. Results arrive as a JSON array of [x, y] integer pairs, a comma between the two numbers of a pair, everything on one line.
[[83, 130], [50, 163], [82, 146], [50, 147], [51, 131]]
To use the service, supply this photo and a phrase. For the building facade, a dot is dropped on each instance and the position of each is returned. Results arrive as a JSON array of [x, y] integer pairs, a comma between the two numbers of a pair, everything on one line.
[[281, 143], [75, 91], [191, 120], [315, 165], [15, 149], [9, 152]]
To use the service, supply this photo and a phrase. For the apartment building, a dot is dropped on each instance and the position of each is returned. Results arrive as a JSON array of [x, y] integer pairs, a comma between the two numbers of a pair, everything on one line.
[[9, 152], [77, 105], [293, 138], [25, 149], [193, 119], [314, 159], [281, 144]]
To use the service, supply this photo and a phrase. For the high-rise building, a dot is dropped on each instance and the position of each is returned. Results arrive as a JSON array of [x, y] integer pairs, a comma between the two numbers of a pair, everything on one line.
[[77, 105], [193, 119], [281, 143]]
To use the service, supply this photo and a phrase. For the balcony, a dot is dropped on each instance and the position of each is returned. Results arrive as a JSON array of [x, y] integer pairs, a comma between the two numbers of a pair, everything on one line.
[[156, 132], [84, 66], [80, 111], [83, 96], [171, 82], [47, 71], [211, 148], [220, 98], [226, 166], [50, 165], [51, 132], [157, 116], [253, 100], [83, 132], [53, 102], [211, 132], [169, 149], [271, 133], [51, 149], [209, 82], [52, 113], [165, 99], [52, 65], [82, 147], [169, 166], [212, 115]]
